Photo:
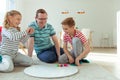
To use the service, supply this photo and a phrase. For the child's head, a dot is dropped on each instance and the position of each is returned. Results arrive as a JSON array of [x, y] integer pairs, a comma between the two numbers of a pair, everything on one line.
[[12, 19], [68, 24]]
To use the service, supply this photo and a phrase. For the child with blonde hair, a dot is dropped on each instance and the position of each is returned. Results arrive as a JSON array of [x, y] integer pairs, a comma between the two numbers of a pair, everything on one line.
[[11, 37], [80, 46]]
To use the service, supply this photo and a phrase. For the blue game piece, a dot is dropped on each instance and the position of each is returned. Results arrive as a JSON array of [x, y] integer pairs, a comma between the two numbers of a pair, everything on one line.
[[0, 58]]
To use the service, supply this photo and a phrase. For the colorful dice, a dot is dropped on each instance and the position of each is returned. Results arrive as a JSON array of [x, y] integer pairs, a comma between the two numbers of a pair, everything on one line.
[[62, 65]]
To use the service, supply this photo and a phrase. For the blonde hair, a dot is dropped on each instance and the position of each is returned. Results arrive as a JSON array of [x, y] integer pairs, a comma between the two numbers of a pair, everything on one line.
[[6, 22]]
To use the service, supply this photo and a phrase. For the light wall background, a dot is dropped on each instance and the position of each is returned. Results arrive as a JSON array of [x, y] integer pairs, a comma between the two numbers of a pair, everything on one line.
[[100, 15]]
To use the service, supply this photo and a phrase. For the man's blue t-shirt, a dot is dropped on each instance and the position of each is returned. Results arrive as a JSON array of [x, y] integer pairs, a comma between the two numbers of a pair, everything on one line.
[[42, 40]]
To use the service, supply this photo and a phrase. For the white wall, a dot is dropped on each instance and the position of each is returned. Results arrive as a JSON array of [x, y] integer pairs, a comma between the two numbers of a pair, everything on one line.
[[100, 15], [117, 11]]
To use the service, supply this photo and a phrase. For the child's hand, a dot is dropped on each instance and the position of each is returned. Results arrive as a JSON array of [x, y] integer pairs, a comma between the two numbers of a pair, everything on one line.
[[71, 60], [30, 30], [77, 61]]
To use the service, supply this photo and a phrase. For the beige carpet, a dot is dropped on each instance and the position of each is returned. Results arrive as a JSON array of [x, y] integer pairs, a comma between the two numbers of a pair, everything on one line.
[[89, 71]]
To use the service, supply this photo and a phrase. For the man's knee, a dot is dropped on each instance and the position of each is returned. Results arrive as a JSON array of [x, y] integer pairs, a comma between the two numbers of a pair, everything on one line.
[[48, 57]]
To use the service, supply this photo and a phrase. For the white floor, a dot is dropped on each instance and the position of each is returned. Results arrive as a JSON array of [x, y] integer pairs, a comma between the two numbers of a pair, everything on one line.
[[108, 58]]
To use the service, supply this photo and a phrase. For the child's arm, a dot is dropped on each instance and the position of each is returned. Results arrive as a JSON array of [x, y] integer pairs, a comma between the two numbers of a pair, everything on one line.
[[24, 39], [13, 36], [84, 53], [71, 60], [29, 32], [30, 46]]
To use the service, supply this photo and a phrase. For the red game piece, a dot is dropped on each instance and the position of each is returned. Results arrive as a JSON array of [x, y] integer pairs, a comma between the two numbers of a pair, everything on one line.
[[65, 65]]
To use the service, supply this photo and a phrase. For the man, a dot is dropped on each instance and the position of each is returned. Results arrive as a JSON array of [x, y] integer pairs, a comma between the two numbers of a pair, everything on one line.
[[41, 39]]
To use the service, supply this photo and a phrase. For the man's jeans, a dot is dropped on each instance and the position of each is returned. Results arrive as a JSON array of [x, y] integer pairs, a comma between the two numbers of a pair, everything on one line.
[[49, 55]]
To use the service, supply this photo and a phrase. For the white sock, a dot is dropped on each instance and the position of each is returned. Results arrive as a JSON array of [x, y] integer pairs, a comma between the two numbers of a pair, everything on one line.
[[6, 65]]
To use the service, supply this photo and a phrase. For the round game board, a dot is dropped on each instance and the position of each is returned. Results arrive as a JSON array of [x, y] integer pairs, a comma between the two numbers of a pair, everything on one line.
[[50, 71]]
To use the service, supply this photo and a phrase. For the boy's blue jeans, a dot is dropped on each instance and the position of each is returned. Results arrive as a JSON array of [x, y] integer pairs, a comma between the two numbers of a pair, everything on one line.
[[49, 55]]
